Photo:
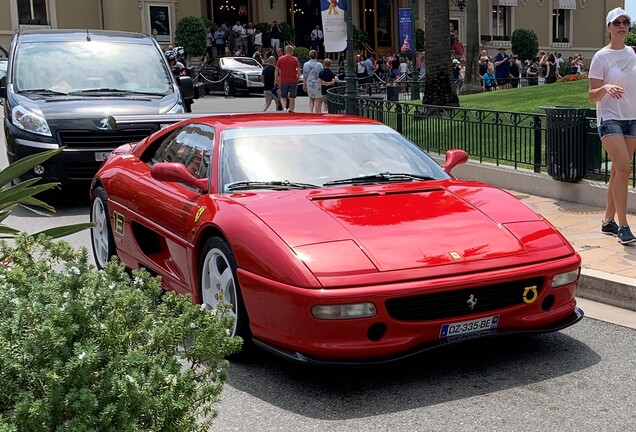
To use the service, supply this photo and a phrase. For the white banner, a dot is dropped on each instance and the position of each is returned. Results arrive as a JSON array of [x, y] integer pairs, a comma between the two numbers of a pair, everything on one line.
[[334, 28], [512, 3]]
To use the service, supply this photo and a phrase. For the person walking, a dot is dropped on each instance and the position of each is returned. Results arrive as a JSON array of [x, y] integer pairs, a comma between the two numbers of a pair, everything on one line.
[[268, 76], [311, 84], [326, 78], [288, 69], [613, 87]]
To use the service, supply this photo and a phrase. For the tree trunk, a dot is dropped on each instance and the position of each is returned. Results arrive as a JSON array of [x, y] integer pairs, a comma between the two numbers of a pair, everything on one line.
[[438, 85], [472, 80]]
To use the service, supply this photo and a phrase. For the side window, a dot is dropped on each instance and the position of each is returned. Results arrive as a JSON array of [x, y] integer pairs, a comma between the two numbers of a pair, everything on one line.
[[190, 145]]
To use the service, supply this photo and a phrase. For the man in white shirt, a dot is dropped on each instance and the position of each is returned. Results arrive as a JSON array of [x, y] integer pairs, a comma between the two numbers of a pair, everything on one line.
[[316, 39]]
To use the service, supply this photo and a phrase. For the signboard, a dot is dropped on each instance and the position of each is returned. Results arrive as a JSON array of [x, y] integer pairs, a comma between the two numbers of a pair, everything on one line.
[[407, 43], [160, 23], [334, 28]]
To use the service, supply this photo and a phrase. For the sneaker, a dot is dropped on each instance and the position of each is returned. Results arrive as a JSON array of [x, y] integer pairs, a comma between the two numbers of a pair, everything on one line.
[[625, 235], [610, 228]]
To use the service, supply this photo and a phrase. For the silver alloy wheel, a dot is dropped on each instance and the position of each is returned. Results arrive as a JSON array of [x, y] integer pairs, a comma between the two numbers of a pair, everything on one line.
[[218, 285], [100, 233]]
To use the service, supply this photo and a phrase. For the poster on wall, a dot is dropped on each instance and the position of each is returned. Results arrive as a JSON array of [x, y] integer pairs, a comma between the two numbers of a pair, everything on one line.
[[406, 32], [334, 29], [160, 22]]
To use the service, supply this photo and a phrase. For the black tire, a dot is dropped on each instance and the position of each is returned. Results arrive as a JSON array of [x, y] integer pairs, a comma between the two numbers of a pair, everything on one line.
[[228, 87], [102, 241], [215, 261]]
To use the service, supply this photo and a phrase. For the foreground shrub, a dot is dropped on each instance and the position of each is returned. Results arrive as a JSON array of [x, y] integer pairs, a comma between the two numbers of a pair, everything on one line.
[[86, 350]]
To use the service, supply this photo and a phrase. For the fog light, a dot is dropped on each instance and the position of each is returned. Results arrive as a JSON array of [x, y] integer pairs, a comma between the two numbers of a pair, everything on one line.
[[565, 278], [38, 169], [346, 311]]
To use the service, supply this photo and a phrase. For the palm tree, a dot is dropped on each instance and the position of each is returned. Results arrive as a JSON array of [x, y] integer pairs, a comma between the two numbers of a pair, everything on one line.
[[472, 79], [438, 86]]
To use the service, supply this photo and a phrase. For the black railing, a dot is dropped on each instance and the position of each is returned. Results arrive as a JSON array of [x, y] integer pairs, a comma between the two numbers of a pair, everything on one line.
[[498, 137]]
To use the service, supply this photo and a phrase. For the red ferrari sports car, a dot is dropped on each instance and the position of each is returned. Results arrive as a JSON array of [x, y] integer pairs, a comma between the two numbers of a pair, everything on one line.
[[334, 239]]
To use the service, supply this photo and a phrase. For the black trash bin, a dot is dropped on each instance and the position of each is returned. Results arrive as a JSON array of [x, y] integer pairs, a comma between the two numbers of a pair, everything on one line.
[[593, 141], [566, 146], [393, 92]]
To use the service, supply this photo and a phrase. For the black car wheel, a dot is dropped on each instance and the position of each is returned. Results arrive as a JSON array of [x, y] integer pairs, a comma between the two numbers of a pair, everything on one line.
[[219, 284], [228, 87], [101, 234]]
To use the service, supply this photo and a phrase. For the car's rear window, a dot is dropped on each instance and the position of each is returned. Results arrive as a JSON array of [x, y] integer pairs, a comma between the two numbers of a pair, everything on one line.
[[84, 65]]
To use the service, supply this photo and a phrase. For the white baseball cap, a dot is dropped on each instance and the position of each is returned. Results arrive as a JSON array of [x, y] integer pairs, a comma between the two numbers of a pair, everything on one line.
[[615, 13]]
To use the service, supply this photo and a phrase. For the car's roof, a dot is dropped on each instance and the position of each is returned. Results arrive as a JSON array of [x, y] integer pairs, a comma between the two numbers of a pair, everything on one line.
[[231, 121], [65, 35]]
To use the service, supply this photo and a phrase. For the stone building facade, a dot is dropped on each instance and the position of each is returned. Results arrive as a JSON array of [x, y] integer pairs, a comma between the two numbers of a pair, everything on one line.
[[568, 26]]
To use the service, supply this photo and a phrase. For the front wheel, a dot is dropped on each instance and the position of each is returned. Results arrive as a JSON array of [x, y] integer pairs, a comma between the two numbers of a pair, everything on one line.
[[228, 88], [219, 284], [101, 234]]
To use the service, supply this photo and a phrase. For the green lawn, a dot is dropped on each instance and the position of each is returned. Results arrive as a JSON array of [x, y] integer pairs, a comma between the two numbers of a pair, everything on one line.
[[529, 99]]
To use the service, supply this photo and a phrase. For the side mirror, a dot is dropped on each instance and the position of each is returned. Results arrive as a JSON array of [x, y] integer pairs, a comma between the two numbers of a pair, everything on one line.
[[454, 157], [186, 87], [177, 173]]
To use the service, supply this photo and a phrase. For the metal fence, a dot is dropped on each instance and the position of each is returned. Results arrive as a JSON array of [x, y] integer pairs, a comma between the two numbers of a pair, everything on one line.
[[499, 137]]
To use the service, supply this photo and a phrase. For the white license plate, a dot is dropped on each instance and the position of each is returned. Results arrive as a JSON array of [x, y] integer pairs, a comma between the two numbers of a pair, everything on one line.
[[101, 156], [471, 326]]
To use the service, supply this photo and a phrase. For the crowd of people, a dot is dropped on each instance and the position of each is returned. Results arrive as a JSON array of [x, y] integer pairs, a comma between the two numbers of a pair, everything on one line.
[[507, 71]]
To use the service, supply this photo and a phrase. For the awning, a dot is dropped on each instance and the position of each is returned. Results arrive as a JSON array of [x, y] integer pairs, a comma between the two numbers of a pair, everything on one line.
[[504, 2], [564, 4]]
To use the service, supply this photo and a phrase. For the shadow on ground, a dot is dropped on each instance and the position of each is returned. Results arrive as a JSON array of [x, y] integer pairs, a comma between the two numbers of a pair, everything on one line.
[[453, 373]]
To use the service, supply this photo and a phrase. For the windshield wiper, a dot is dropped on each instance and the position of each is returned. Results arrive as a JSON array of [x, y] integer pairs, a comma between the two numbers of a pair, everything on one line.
[[43, 91], [113, 90], [277, 184], [379, 178]]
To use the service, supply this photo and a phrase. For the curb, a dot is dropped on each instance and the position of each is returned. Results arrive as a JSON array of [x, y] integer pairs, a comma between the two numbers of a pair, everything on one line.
[[603, 287]]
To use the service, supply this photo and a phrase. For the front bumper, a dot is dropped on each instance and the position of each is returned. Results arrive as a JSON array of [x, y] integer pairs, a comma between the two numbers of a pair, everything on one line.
[[574, 317], [281, 319]]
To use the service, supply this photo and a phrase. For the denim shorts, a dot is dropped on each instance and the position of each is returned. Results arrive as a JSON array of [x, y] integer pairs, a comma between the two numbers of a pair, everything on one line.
[[626, 128], [288, 90]]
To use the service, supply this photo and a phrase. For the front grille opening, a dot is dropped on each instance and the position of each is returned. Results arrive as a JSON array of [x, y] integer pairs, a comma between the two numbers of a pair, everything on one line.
[[460, 302]]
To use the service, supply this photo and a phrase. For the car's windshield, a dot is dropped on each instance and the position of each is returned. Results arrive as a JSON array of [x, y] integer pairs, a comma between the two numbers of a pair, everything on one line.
[[239, 62], [80, 66], [315, 155]]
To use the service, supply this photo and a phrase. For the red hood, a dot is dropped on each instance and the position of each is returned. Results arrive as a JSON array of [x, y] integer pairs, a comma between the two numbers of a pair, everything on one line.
[[396, 228]]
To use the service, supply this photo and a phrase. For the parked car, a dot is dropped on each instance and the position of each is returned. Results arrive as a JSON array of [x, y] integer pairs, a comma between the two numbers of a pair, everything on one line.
[[232, 75], [235, 75], [62, 85], [333, 238]]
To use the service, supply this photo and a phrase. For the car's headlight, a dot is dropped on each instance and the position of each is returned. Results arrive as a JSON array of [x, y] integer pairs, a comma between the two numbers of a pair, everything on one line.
[[565, 278], [29, 121], [176, 109]]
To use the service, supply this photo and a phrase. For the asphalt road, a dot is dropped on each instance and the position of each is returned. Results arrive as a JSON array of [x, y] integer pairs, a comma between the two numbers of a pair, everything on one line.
[[579, 379]]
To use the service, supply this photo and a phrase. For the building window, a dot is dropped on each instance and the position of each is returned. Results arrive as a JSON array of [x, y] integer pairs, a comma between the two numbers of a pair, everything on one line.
[[501, 22], [561, 19], [32, 12]]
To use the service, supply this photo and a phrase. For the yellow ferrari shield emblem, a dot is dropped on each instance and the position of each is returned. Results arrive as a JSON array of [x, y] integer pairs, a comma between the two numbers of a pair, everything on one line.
[[199, 213]]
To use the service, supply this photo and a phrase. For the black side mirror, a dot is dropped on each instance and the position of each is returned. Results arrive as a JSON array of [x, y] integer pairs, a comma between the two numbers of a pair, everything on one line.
[[186, 87]]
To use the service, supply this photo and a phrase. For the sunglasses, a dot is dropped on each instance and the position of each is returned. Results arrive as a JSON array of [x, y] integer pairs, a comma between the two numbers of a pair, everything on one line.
[[624, 22]]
